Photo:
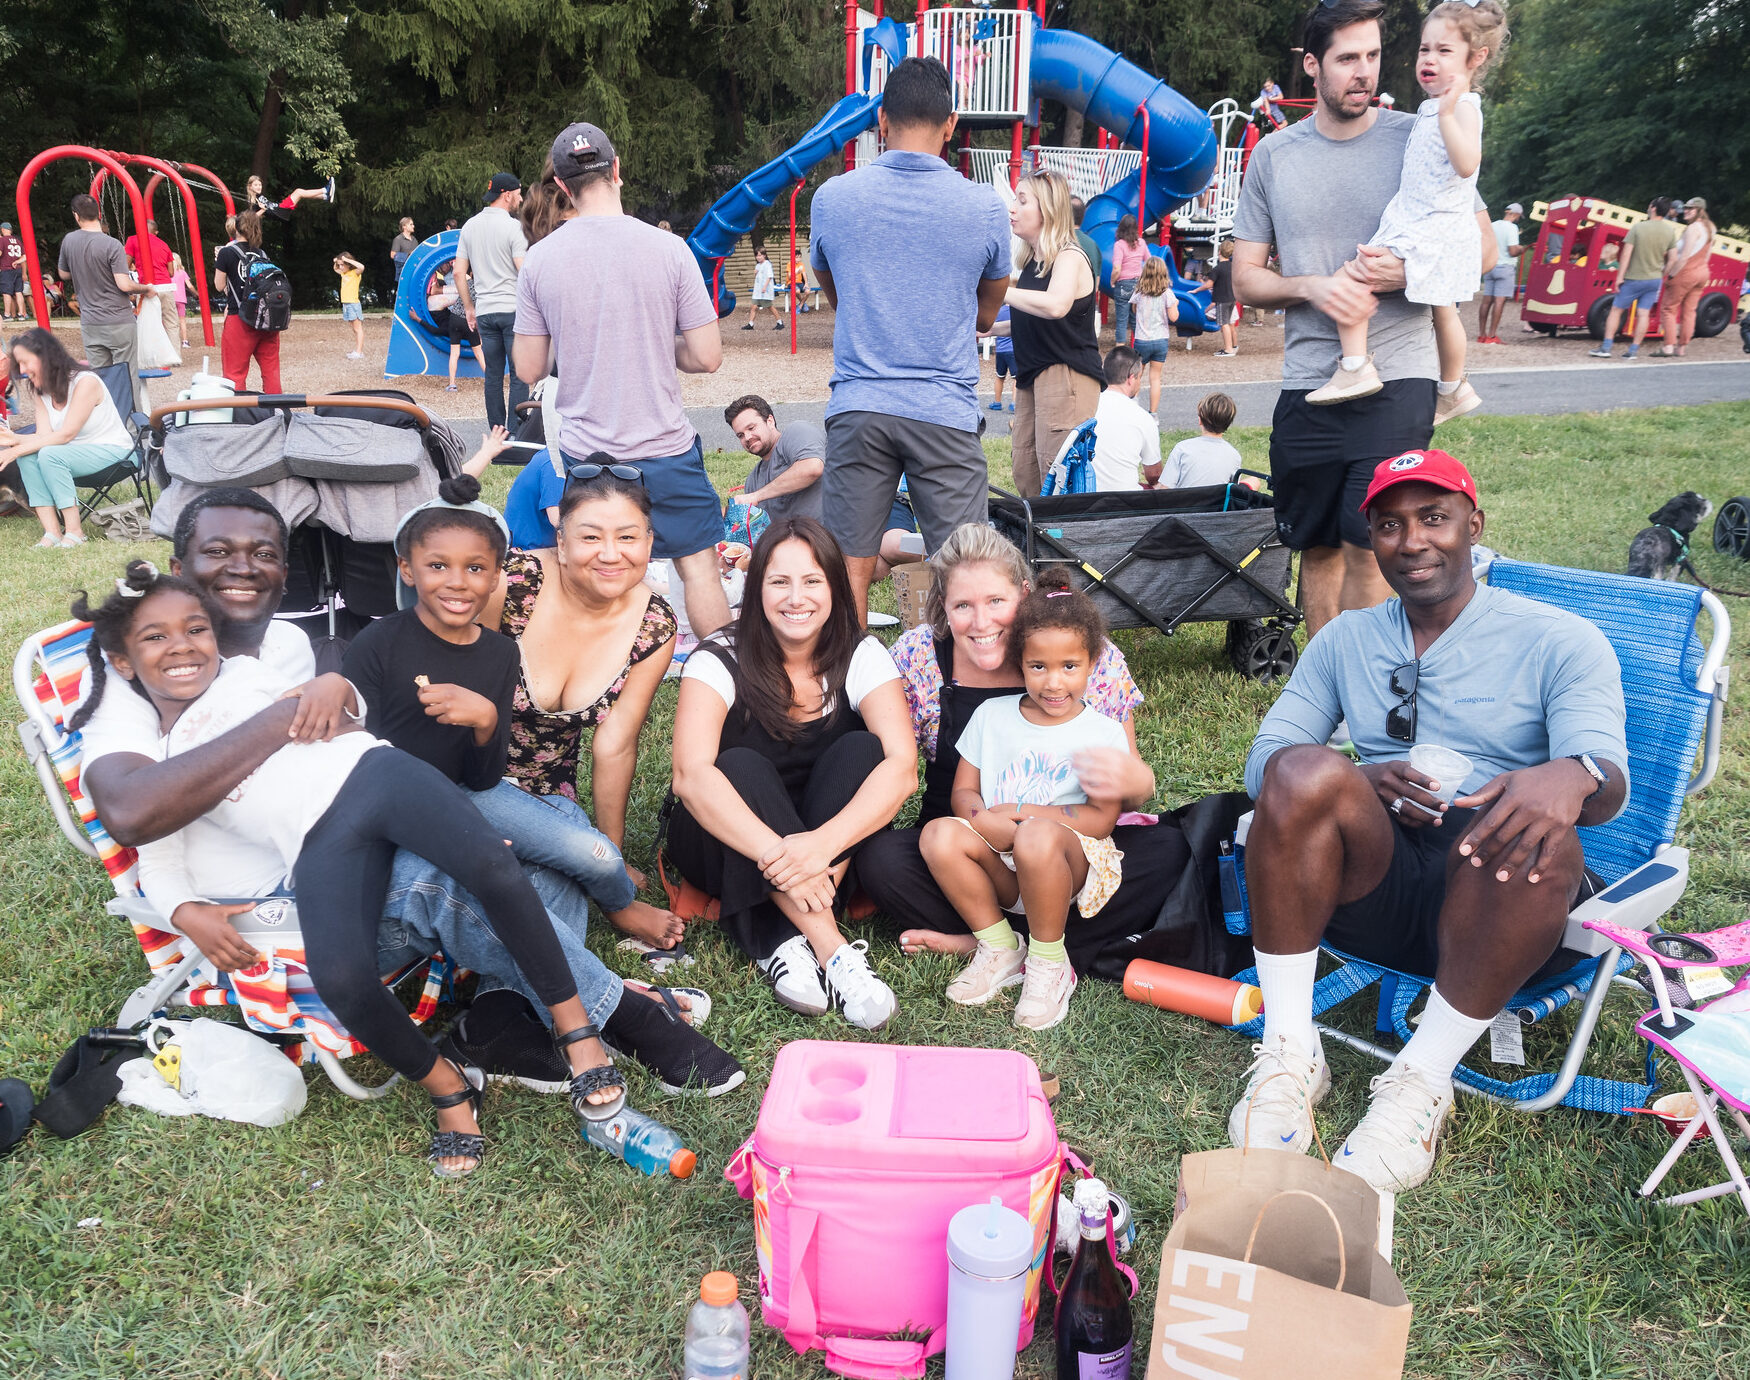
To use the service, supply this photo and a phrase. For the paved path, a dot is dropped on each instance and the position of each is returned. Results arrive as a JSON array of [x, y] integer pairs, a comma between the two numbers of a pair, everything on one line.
[[1590, 387]]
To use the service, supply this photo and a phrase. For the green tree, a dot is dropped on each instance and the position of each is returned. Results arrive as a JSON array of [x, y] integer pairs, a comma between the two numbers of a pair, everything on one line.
[[1625, 100], [293, 51]]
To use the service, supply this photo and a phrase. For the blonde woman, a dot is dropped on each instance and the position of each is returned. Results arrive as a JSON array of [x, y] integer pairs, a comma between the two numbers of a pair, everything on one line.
[[1687, 267], [1058, 374]]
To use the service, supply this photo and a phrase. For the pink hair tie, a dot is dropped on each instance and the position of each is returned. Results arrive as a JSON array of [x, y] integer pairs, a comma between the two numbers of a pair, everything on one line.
[[1058, 594]]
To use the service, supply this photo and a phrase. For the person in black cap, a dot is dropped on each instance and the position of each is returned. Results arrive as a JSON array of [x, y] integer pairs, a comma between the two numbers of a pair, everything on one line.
[[11, 273], [618, 306], [490, 253]]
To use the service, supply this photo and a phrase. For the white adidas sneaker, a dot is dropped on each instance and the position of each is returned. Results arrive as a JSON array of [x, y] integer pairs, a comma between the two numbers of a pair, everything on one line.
[[796, 978], [862, 998]]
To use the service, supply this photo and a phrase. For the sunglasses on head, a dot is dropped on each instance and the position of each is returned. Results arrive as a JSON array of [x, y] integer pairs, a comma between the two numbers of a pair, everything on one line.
[[1400, 722], [586, 470], [1332, 4]]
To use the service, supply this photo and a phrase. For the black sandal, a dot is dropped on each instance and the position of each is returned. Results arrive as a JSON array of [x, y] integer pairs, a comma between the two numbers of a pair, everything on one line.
[[599, 1079], [458, 1144]]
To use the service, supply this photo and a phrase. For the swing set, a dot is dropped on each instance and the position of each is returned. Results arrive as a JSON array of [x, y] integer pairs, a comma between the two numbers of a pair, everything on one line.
[[185, 235]]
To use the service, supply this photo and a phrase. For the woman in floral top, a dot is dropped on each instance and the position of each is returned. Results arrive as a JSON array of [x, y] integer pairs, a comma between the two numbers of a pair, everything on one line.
[[949, 665], [595, 642]]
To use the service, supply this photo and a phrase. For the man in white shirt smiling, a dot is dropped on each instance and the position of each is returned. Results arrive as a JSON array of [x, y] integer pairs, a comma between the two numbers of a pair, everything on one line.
[[1126, 436]]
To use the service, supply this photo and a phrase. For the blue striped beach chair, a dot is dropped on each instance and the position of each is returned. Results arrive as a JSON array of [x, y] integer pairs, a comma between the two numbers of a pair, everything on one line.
[[1674, 687]]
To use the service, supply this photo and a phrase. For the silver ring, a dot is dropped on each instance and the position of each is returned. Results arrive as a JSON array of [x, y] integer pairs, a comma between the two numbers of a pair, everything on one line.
[[1397, 806]]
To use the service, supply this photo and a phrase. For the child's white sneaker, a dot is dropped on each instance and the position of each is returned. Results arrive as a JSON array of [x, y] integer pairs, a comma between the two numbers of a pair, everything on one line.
[[1348, 384], [1461, 400], [990, 970], [1045, 993]]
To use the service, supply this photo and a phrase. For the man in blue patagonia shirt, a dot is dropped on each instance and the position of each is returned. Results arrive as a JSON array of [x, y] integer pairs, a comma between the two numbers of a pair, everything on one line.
[[1370, 859]]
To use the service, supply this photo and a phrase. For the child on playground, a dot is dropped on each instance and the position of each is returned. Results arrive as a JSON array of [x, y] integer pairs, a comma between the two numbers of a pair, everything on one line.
[[327, 816], [179, 281], [1154, 308], [1430, 224], [254, 198], [1024, 837], [351, 271]]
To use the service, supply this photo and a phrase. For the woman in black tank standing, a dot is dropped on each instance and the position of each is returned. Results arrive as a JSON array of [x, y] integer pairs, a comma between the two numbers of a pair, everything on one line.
[[792, 745], [1058, 376]]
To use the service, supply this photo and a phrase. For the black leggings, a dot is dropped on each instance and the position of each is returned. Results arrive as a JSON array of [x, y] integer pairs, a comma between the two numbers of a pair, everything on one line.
[[390, 801], [750, 919]]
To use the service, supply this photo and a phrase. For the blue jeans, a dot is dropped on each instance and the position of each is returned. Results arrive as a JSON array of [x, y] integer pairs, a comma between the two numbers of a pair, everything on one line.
[[553, 831], [426, 910], [497, 332], [1122, 292]]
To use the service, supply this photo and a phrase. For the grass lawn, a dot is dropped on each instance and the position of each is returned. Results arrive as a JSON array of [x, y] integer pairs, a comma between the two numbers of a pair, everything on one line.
[[325, 1248]]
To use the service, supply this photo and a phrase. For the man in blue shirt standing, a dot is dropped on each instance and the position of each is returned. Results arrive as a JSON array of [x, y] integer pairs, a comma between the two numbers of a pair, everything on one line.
[[915, 260], [1365, 857]]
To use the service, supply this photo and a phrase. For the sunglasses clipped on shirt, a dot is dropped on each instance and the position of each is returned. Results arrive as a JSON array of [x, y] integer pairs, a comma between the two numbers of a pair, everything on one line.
[[586, 470], [1400, 722]]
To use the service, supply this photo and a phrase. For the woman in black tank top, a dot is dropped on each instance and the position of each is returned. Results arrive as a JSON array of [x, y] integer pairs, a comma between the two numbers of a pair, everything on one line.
[[1058, 375]]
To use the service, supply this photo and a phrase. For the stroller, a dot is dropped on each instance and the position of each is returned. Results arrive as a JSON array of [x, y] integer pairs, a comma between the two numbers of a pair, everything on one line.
[[1165, 557], [341, 469]]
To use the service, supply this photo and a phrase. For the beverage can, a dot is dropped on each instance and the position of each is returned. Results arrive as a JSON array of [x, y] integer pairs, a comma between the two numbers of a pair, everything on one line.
[[1069, 1224]]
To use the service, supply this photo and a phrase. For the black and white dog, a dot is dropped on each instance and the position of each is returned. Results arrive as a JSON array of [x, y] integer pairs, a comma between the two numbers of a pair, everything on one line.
[[1656, 551]]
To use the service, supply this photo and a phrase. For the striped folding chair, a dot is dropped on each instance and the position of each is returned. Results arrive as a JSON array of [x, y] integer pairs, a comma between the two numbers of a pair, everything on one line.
[[276, 997], [1674, 688]]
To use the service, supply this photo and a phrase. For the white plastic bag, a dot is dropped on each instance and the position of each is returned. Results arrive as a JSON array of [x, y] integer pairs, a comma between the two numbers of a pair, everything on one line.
[[156, 350], [225, 1072]]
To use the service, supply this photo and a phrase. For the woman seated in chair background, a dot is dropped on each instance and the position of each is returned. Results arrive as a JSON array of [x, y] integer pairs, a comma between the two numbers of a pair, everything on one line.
[[953, 662], [791, 747], [594, 642], [78, 433]]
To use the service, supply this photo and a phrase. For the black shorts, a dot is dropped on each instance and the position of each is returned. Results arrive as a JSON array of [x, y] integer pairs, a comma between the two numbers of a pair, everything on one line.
[[11, 282], [1397, 924], [1322, 458], [1004, 361], [459, 332]]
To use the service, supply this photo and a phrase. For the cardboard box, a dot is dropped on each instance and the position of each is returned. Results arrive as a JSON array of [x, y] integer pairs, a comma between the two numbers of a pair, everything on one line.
[[911, 585]]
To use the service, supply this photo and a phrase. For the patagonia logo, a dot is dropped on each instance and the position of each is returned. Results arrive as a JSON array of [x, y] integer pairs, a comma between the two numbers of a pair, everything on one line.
[[1475, 699]]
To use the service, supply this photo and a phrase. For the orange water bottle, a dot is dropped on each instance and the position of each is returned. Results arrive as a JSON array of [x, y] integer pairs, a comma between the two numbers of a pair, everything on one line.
[[1219, 1000]]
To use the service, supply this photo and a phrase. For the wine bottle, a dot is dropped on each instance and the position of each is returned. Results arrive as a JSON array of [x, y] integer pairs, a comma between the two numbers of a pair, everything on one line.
[[1093, 1317]]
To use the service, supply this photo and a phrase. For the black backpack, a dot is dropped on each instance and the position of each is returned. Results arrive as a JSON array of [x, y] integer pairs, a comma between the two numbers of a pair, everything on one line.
[[264, 293]]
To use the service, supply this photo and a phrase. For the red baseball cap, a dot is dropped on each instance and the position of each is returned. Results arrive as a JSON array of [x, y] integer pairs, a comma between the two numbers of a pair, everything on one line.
[[1434, 467]]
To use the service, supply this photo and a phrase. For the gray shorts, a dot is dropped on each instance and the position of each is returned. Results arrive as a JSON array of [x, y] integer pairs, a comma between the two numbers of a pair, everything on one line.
[[1499, 281], [867, 452]]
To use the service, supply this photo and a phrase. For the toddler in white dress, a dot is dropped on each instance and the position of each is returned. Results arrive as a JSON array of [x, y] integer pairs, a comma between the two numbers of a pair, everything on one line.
[[1430, 224]]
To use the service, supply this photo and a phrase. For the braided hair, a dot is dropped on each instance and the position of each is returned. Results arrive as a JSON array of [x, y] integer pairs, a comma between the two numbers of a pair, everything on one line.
[[112, 620]]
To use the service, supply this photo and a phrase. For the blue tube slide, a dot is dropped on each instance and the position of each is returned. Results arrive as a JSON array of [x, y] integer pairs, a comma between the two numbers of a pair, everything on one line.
[[735, 212], [1089, 77], [416, 345]]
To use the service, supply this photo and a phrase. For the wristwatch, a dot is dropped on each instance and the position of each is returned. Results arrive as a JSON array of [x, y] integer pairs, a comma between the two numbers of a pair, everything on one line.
[[1596, 772]]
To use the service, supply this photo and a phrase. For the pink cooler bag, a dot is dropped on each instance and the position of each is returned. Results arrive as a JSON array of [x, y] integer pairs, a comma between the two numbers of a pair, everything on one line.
[[861, 1155]]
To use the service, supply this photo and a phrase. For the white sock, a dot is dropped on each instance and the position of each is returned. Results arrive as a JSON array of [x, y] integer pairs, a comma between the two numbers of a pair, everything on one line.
[[1287, 983], [1442, 1039], [1353, 362], [1448, 389]]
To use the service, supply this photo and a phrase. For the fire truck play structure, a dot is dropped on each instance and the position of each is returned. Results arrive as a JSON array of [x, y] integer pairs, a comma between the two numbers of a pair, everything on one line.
[[185, 234], [1156, 150], [1569, 284]]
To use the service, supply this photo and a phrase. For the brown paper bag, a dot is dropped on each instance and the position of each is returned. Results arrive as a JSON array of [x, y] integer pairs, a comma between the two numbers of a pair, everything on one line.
[[1271, 1269], [911, 585]]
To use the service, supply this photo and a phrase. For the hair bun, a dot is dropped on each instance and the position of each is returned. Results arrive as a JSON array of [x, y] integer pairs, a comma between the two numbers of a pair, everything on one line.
[[461, 488], [1054, 577], [140, 574]]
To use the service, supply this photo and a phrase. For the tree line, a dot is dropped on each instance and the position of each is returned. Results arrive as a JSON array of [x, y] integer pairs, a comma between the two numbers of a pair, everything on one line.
[[413, 104]]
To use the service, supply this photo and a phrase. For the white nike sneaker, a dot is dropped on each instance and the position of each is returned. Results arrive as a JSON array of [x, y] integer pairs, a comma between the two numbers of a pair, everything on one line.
[[1045, 992], [795, 975], [1393, 1147], [1284, 1085], [862, 998], [990, 970]]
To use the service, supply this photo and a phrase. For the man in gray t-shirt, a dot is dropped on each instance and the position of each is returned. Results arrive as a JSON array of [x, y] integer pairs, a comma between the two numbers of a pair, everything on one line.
[[1377, 860], [786, 481], [489, 255], [1316, 191], [97, 267]]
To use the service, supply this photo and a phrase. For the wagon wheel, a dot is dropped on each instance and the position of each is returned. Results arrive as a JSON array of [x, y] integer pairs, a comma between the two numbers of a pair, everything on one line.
[[1598, 316], [1732, 528], [1713, 314], [1265, 654]]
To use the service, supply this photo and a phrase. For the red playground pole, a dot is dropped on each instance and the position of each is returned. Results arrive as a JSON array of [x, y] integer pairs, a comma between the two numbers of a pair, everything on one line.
[[923, 7], [1142, 178], [162, 171], [716, 283], [850, 79], [27, 228], [795, 290]]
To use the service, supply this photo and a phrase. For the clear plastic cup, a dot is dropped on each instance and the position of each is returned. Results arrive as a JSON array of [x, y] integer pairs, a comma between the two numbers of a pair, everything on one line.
[[1441, 764]]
